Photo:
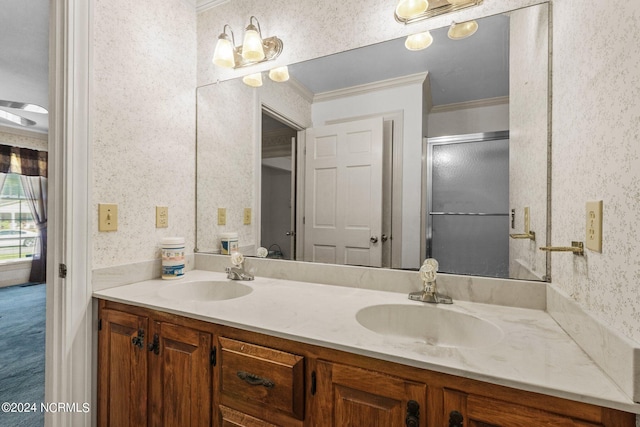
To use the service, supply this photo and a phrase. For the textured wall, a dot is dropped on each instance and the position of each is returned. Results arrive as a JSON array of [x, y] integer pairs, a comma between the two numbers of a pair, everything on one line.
[[528, 119], [143, 121], [229, 115], [596, 155]]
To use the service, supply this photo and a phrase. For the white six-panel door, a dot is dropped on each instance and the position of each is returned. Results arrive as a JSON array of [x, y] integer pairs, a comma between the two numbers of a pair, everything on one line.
[[343, 193]]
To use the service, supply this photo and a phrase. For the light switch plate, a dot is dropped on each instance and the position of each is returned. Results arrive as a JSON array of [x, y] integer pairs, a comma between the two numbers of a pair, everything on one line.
[[222, 216], [594, 226], [247, 216], [162, 216], [107, 217]]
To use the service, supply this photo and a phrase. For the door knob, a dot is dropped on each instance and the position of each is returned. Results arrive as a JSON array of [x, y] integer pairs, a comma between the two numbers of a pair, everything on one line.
[[384, 238], [290, 233], [374, 239]]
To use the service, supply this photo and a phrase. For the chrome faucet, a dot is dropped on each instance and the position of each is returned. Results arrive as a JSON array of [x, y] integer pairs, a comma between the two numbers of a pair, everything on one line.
[[237, 272], [428, 273], [429, 294]]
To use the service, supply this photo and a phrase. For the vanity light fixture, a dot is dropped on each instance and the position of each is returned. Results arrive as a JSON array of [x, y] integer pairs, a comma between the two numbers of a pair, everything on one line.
[[408, 11], [279, 74], [224, 55], [253, 80], [419, 41], [254, 49], [462, 30]]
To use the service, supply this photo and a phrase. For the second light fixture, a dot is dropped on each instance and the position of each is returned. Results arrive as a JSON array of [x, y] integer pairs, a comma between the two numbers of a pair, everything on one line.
[[254, 49]]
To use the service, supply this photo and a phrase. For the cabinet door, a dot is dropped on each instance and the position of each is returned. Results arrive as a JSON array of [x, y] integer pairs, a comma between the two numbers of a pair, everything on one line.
[[122, 367], [181, 393], [349, 396], [480, 411]]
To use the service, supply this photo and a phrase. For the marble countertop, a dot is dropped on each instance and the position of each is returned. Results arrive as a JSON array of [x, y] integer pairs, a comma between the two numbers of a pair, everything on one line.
[[534, 353]]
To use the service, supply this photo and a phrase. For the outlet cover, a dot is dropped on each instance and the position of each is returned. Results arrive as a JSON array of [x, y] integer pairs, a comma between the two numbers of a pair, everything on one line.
[[247, 216], [107, 217], [222, 216], [162, 216], [594, 226]]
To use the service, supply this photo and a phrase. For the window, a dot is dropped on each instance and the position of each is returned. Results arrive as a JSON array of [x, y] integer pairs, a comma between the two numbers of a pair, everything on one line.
[[18, 232]]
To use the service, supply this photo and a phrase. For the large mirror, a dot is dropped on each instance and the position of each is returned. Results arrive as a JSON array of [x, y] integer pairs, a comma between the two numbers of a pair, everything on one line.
[[382, 156]]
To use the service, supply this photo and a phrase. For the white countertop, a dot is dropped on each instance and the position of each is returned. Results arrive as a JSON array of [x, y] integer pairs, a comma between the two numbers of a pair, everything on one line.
[[534, 354]]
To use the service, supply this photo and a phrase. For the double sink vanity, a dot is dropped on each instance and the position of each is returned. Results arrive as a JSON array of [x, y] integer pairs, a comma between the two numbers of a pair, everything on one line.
[[206, 350]]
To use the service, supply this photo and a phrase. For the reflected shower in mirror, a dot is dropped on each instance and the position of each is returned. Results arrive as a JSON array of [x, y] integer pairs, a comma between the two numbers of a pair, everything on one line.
[[347, 179]]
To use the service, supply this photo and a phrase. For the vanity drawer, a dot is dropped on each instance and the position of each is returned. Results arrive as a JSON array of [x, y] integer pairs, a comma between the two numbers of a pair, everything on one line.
[[264, 376]]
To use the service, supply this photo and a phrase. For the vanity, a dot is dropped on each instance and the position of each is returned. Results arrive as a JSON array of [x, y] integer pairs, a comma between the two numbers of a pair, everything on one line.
[[206, 351]]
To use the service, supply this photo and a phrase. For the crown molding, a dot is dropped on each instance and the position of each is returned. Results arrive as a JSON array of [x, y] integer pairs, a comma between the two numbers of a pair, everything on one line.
[[370, 87], [202, 5], [301, 89], [23, 132], [488, 102]]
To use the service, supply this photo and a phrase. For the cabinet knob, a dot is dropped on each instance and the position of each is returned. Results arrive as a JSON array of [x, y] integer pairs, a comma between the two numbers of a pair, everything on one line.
[[138, 340], [455, 419], [155, 346], [413, 414]]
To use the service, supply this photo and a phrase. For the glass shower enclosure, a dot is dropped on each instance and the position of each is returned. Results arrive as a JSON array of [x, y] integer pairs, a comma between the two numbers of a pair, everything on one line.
[[467, 203]]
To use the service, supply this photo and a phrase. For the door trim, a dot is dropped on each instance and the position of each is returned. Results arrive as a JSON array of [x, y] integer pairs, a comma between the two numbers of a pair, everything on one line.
[[69, 371]]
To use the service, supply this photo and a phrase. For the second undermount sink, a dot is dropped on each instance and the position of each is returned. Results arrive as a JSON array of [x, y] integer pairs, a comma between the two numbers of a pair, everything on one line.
[[429, 324], [205, 290]]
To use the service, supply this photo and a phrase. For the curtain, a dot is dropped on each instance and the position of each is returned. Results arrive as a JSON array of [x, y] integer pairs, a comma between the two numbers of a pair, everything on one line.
[[35, 188], [32, 166]]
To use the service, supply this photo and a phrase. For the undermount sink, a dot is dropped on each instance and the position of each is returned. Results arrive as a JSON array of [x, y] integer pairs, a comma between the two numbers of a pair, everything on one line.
[[429, 324], [205, 290]]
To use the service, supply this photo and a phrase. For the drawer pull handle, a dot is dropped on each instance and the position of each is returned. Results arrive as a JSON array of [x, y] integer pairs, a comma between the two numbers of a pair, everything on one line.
[[255, 380]]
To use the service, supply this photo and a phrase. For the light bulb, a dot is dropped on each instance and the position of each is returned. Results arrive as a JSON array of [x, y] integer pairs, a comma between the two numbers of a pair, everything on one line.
[[419, 41], [279, 74], [462, 30], [223, 56], [407, 9], [253, 80], [252, 49]]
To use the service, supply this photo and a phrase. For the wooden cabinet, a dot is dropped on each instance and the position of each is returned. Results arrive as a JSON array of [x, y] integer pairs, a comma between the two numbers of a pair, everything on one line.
[[471, 410], [158, 369], [152, 373], [350, 396], [181, 392], [123, 369]]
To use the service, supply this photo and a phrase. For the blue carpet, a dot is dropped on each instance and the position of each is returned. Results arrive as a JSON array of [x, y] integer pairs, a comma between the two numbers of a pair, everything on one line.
[[22, 329]]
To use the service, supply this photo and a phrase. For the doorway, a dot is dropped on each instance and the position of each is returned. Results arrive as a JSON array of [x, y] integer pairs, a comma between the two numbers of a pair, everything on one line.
[[278, 187]]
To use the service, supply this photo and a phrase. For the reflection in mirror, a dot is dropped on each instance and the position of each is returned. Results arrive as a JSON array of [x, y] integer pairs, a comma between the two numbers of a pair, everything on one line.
[[346, 180]]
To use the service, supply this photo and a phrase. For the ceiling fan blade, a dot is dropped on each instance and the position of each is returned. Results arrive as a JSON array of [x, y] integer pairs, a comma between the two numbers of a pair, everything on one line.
[[33, 108], [14, 118]]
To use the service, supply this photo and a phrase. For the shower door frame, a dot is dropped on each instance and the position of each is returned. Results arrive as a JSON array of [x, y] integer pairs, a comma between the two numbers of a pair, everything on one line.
[[426, 220]]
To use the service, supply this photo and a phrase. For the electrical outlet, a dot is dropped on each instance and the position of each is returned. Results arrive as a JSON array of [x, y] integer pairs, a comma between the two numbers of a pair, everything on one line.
[[594, 226], [527, 221], [247, 216], [107, 217], [222, 216], [162, 216]]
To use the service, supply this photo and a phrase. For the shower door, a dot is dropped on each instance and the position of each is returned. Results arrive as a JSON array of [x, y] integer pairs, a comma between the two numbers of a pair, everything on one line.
[[468, 203]]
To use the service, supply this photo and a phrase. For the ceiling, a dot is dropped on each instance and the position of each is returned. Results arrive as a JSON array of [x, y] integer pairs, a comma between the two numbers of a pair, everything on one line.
[[459, 70], [24, 58]]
